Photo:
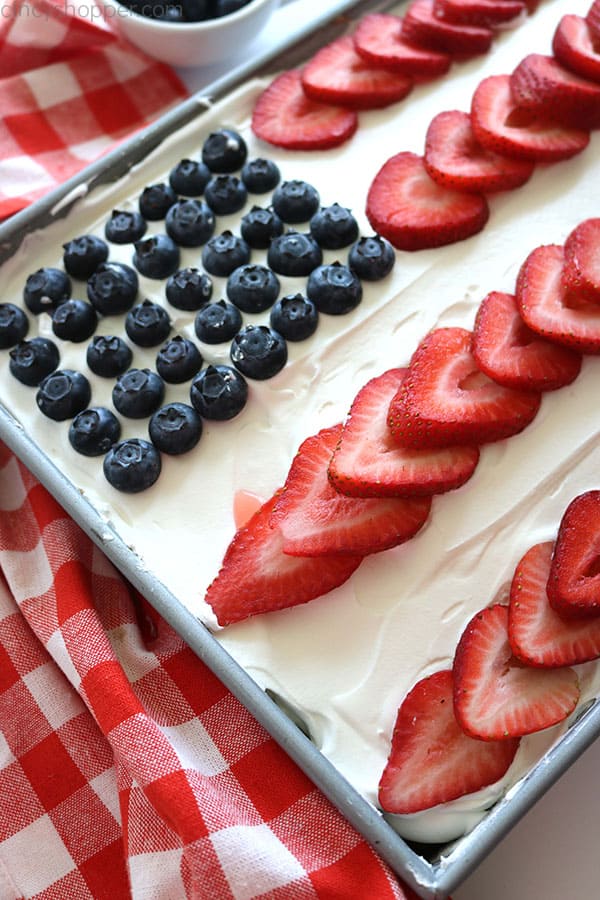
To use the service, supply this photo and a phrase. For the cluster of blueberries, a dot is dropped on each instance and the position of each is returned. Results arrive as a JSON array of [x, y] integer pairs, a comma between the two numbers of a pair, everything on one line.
[[217, 392], [184, 10]]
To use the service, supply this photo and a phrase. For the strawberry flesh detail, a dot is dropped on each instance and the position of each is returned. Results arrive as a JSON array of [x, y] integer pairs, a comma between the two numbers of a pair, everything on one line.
[[483, 13], [574, 48], [574, 579], [379, 41], [495, 695], [540, 84], [421, 26], [593, 20], [581, 272]]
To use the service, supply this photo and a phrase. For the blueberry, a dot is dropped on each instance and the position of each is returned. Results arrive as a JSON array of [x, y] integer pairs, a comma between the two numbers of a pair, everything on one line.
[[94, 430], [178, 361], [219, 393], [189, 177], [138, 393], [260, 175], [295, 201], [155, 201], [224, 151], [132, 466], [294, 317], [334, 227], [334, 289], [259, 227], [225, 194], [108, 356], [170, 13], [112, 288], [189, 289], [45, 289], [125, 226], [294, 253], [83, 255], [217, 322], [147, 324], [14, 325], [196, 10], [156, 256], [225, 252], [175, 428], [258, 352], [226, 7], [253, 288], [31, 361], [63, 394], [372, 258], [74, 320], [190, 223]]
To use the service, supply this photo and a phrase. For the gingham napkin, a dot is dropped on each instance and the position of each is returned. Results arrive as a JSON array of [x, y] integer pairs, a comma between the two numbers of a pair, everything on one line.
[[69, 91]]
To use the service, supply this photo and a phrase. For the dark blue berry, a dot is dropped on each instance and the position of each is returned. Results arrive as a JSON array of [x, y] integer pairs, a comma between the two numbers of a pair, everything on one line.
[[179, 360], [93, 431], [225, 194], [156, 256], [125, 226], [45, 289], [196, 10], [226, 7], [334, 289], [294, 253], [372, 258], [83, 255], [219, 393], [132, 466], [334, 227], [138, 393], [224, 151], [260, 175], [108, 356], [189, 177], [225, 252], [190, 223], [155, 201], [112, 288], [217, 322], [147, 324], [189, 289], [63, 394], [31, 361], [295, 317], [170, 13], [253, 288], [295, 201], [259, 226], [258, 352], [14, 325], [175, 428], [74, 320]]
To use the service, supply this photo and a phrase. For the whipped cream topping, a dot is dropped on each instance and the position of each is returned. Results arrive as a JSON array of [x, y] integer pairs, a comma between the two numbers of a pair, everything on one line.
[[345, 661]]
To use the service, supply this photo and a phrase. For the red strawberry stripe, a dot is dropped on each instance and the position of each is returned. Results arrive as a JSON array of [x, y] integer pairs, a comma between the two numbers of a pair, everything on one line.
[[379, 41], [593, 20], [581, 272], [495, 696], [538, 635], [541, 84], [315, 520], [367, 462], [431, 760], [574, 47], [483, 13], [421, 26], [574, 580]]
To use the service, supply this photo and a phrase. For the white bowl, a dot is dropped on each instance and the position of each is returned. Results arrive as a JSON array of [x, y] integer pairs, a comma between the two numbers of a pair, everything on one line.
[[192, 43]]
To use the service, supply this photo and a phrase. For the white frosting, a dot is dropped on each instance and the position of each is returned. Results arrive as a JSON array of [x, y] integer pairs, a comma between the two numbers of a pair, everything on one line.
[[346, 661]]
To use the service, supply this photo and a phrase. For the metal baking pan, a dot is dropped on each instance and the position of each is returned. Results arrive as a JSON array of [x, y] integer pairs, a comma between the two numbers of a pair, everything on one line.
[[433, 871]]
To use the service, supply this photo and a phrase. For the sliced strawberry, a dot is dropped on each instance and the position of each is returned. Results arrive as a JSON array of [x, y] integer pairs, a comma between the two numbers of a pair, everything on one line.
[[546, 307], [256, 576], [337, 74], [421, 26], [316, 520], [367, 462], [581, 272], [593, 20], [407, 207], [484, 13], [538, 635], [511, 354], [454, 159], [379, 41], [502, 126], [495, 695], [431, 759], [574, 47], [574, 580], [284, 116], [445, 400], [540, 84]]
